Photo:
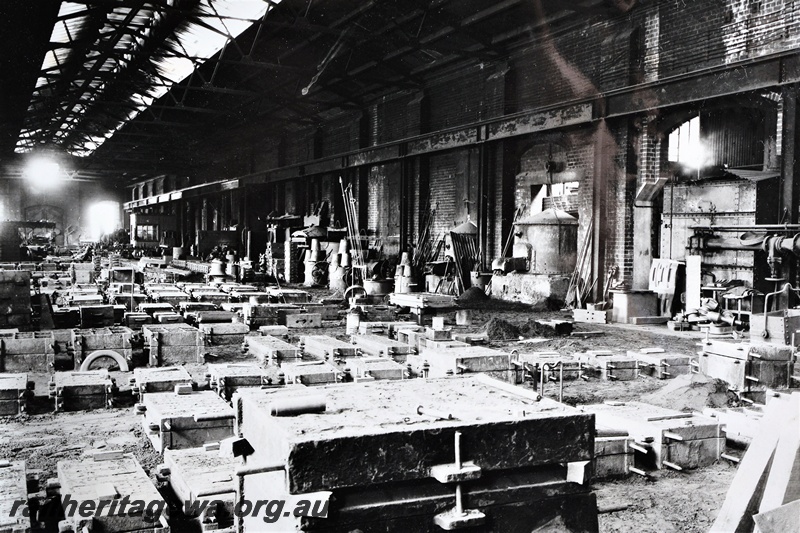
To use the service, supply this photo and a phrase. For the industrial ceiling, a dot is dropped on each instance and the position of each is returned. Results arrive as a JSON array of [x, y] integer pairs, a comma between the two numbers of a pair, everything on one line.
[[128, 89]]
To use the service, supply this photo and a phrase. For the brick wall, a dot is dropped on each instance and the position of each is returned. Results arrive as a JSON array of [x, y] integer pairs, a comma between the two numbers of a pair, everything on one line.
[[585, 57], [464, 97]]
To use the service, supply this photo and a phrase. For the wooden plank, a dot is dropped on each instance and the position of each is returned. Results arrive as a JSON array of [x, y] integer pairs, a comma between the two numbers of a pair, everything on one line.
[[744, 494], [780, 520], [643, 320], [586, 334], [786, 463]]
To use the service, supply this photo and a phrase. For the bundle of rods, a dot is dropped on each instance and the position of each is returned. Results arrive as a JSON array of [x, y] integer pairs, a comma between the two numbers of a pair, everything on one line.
[[579, 287], [428, 248], [353, 233], [467, 257]]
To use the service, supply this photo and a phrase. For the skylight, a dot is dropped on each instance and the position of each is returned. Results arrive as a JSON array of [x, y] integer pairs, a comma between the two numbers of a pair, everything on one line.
[[129, 31]]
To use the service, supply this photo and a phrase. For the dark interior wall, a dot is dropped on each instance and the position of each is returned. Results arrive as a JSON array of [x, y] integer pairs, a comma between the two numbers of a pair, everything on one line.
[[383, 211]]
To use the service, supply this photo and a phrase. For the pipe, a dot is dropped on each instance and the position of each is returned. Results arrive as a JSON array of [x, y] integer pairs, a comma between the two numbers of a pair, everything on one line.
[[753, 227], [260, 469], [439, 415], [298, 406]]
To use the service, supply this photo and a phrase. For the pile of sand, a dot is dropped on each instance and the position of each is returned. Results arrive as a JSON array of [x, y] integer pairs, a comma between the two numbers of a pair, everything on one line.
[[690, 392], [473, 294], [499, 330]]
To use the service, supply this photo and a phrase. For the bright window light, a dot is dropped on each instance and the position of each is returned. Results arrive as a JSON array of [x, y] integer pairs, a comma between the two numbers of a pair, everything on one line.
[[43, 173], [103, 219], [686, 147]]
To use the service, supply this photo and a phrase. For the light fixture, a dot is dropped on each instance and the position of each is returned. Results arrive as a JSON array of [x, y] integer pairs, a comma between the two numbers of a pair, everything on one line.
[[43, 172]]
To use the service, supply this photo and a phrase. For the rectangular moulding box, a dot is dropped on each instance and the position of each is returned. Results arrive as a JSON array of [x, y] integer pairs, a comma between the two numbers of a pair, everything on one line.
[[382, 346], [224, 337], [196, 306], [267, 348], [267, 310], [13, 487], [310, 373], [210, 316], [288, 295], [608, 366], [327, 312], [151, 308], [613, 457], [32, 351], [78, 391], [501, 429], [13, 394], [173, 344], [326, 347], [226, 378], [112, 476], [168, 317], [179, 421], [160, 379], [200, 475], [661, 365], [465, 360], [676, 438], [301, 320], [375, 368], [571, 367]]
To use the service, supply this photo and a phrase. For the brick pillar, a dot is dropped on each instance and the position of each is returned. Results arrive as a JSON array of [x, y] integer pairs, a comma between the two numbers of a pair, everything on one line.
[[652, 39], [649, 165]]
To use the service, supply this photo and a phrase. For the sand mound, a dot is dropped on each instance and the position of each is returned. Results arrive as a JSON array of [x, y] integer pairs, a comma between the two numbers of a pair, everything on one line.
[[473, 294], [499, 330], [690, 392]]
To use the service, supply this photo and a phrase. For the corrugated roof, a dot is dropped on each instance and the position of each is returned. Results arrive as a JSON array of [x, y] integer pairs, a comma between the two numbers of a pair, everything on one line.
[[755, 175], [91, 46]]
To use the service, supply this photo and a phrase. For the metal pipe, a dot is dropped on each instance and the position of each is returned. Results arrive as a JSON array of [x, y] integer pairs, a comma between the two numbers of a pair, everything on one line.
[[754, 227], [458, 449], [260, 469], [440, 415]]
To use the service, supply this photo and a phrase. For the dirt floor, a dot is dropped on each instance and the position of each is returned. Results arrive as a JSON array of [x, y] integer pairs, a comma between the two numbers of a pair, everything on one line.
[[661, 502]]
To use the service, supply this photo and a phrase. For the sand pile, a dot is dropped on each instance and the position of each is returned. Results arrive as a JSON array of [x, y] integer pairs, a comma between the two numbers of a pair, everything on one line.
[[690, 392], [499, 330]]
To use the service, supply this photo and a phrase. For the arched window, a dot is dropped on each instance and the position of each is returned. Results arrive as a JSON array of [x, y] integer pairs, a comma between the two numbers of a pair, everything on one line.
[[685, 146]]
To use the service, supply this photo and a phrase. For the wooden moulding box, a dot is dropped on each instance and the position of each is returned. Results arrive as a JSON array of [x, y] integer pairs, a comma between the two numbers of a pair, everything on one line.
[[13, 487], [76, 391], [201, 474], [215, 334], [463, 360], [310, 373], [104, 338], [381, 346], [226, 378], [162, 379], [267, 348], [112, 476], [326, 347], [179, 421], [684, 439], [378, 442], [27, 351], [13, 394], [369, 368]]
